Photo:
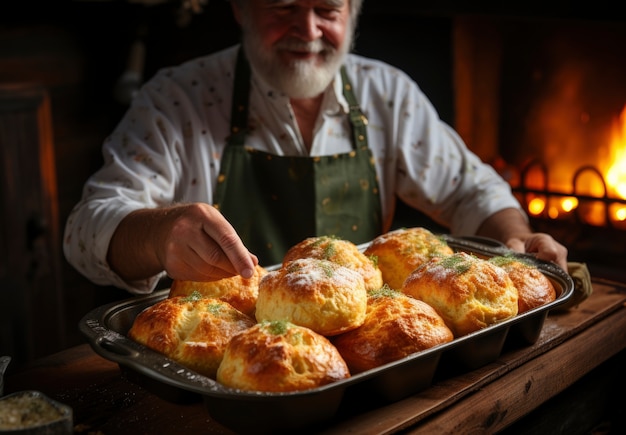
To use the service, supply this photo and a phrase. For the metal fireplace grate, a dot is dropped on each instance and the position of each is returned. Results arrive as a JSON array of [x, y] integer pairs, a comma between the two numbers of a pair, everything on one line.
[[601, 243]]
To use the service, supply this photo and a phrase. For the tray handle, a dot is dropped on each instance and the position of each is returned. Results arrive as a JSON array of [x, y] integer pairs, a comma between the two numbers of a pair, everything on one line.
[[117, 348]]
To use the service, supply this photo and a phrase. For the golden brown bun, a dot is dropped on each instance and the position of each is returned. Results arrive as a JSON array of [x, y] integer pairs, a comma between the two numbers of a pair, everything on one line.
[[193, 330], [278, 357], [468, 292], [319, 294], [401, 251], [396, 325], [534, 288], [240, 292], [339, 251]]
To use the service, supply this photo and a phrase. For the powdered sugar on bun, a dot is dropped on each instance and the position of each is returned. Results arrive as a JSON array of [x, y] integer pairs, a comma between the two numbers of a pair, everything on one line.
[[318, 294], [338, 251]]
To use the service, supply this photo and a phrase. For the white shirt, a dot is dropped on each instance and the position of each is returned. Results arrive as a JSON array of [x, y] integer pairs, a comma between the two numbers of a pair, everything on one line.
[[168, 146]]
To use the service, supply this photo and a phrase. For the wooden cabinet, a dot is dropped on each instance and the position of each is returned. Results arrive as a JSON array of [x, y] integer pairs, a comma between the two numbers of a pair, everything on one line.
[[31, 295]]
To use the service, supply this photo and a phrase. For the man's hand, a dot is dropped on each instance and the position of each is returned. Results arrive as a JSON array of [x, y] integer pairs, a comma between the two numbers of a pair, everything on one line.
[[543, 246], [189, 241], [511, 228]]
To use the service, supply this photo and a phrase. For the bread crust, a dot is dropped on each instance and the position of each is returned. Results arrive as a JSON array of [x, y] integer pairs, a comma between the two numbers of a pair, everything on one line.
[[280, 357], [533, 287], [340, 251], [401, 251], [238, 291], [470, 293], [396, 326], [192, 330], [318, 294]]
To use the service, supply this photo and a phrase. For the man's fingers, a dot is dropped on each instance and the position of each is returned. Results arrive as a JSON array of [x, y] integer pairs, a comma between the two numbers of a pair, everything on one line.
[[516, 245], [543, 246], [201, 245], [232, 255]]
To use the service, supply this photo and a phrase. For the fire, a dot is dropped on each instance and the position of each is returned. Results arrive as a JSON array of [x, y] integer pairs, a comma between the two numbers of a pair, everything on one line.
[[569, 204], [590, 184], [616, 175], [536, 206]]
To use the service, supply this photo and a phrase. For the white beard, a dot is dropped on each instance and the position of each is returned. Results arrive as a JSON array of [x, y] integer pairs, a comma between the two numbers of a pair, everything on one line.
[[297, 79]]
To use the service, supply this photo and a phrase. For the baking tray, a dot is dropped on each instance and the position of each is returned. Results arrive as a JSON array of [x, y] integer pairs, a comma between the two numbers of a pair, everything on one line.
[[253, 412]]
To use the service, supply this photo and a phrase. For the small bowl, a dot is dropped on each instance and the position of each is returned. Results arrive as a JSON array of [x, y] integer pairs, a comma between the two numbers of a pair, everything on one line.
[[47, 416]]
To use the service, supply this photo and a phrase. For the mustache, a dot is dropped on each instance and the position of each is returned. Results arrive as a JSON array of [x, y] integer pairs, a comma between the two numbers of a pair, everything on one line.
[[314, 47]]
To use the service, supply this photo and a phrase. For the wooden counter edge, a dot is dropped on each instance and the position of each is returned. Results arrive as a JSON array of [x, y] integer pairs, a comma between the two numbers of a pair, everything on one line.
[[504, 401]]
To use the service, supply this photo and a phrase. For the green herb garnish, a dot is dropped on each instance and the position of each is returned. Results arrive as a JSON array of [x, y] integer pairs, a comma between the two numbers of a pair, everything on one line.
[[276, 327], [327, 267], [194, 296], [457, 262], [329, 250], [507, 259], [215, 309], [374, 259], [384, 292], [293, 267]]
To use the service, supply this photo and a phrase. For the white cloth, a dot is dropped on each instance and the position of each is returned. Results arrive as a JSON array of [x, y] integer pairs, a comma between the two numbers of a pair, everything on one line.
[[168, 146]]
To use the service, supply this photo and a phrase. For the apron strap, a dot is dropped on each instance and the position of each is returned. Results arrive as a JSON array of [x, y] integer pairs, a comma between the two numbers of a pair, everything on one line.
[[240, 101], [357, 118]]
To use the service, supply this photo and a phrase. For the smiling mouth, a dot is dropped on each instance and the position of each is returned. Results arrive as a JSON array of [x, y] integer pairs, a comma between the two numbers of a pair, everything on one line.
[[303, 54], [304, 49]]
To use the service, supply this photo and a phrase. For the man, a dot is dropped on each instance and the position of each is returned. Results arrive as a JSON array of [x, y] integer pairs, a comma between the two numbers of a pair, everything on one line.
[[232, 158]]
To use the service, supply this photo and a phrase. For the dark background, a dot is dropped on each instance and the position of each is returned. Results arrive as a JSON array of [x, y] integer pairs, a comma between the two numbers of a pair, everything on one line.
[[77, 50]]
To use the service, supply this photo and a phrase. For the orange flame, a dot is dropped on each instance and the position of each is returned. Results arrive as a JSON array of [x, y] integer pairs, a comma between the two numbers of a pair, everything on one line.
[[616, 174], [592, 212]]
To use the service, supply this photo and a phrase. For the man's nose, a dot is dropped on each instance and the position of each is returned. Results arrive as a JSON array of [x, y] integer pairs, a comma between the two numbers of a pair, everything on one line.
[[306, 25]]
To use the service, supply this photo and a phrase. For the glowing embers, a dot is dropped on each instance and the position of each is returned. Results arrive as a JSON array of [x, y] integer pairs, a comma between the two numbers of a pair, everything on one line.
[[594, 195]]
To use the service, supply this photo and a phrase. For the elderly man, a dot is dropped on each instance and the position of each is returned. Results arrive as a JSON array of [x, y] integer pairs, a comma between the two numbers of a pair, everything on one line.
[[231, 158]]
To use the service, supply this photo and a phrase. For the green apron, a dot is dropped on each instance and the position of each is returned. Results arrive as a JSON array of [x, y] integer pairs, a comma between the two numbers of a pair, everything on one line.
[[274, 202]]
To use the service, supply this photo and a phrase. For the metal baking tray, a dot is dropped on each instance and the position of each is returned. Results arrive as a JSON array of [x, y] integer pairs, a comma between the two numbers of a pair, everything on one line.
[[245, 412]]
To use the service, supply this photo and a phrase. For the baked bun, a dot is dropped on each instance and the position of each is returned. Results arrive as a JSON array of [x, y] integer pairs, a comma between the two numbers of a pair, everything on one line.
[[396, 325], [191, 330], [470, 293], [339, 251], [279, 357], [238, 291], [533, 287], [319, 294], [401, 251]]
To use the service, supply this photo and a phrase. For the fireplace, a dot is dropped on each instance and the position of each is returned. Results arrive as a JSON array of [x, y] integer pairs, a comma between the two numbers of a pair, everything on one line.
[[544, 101]]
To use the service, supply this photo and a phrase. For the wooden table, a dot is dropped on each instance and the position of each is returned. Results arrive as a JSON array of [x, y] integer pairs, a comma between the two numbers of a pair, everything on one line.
[[486, 400]]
